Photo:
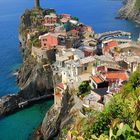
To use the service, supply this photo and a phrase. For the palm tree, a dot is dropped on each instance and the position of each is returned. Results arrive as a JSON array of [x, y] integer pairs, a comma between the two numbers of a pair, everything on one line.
[[37, 3]]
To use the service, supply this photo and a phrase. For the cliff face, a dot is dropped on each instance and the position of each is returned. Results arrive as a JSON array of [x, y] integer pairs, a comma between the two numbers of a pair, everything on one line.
[[59, 118], [34, 79], [131, 10]]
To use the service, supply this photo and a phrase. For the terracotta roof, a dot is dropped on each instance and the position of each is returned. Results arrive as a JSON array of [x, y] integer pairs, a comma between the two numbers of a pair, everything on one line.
[[61, 85], [58, 94], [110, 45], [97, 79], [74, 31], [122, 75], [64, 20], [104, 68], [66, 15]]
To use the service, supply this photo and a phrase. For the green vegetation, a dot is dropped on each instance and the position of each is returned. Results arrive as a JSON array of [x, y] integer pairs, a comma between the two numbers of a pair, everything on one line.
[[68, 26], [35, 38], [84, 89], [120, 120], [33, 19], [36, 42], [48, 11], [75, 18], [137, 5]]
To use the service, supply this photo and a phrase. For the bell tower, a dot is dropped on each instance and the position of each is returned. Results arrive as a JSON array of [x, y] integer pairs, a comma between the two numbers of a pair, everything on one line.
[[37, 3]]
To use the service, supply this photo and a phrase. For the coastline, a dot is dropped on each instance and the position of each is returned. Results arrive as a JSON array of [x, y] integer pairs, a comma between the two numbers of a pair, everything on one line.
[[30, 77], [27, 105], [130, 11], [22, 49], [17, 105]]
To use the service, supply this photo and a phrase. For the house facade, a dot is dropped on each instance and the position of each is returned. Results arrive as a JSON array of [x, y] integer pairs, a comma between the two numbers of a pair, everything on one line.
[[50, 21], [107, 45], [58, 94], [78, 71], [49, 40]]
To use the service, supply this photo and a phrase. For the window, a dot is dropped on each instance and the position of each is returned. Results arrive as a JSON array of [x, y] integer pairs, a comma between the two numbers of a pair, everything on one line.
[[85, 68], [44, 44], [44, 39]]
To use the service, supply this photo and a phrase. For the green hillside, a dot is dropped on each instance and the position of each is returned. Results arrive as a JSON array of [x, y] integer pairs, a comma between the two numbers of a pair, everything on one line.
[[120, 120], [137, 5]]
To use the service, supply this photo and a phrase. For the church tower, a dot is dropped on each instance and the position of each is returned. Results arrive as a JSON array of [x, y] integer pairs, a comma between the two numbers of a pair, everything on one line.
[[37, 3]]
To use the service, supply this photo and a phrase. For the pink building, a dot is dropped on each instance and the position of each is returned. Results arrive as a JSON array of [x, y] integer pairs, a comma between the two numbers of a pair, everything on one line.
[[50, 21], [49, 40], [68, 16]]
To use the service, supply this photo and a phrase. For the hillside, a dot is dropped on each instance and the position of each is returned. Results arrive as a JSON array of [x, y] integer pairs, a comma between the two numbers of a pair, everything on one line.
[[120, 119], [131, 10]]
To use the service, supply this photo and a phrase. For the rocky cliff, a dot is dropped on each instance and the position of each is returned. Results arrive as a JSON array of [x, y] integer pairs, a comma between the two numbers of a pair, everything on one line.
[[131, 10], [58, 119], [34, 79]]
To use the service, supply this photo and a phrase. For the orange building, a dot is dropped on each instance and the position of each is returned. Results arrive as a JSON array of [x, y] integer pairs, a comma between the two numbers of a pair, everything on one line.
[[109, 45], [49, 40], [114, 77]]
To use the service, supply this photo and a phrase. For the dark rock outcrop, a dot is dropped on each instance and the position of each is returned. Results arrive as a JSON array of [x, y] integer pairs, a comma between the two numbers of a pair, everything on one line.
[[131, 10], [59, 118], [34, 80]]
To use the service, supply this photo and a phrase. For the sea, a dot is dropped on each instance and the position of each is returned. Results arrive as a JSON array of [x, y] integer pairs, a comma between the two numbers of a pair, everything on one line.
[[100, 14]]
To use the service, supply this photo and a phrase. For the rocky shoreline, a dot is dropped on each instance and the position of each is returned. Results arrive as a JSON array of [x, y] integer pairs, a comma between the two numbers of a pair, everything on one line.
[[31, 79], [130, 11], [34, 87], [36, 83]]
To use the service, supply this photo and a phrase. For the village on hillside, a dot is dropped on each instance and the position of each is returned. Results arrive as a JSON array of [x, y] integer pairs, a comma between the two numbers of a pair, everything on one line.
[[80, 57]]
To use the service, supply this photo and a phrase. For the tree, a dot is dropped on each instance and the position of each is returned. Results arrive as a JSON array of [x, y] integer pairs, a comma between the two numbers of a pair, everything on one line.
[[84, 87]]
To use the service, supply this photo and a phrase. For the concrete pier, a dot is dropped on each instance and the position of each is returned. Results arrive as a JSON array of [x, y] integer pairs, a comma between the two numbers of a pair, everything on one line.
[[118, 33]]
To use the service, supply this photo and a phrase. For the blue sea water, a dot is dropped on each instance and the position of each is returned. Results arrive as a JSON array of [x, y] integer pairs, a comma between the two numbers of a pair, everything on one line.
[[21, 125], [100, 14]]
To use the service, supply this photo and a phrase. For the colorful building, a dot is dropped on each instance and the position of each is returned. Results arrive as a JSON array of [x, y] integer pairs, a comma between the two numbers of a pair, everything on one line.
[[49, 40], [50, 21], [58, 94]]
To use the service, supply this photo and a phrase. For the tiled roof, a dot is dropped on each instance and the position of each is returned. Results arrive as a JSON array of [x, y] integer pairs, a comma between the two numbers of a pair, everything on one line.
[[64, 20], [122, 75], [61, 85], [66, 15], [110, 45], [97, 79], [58, 94], [74, 31]]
